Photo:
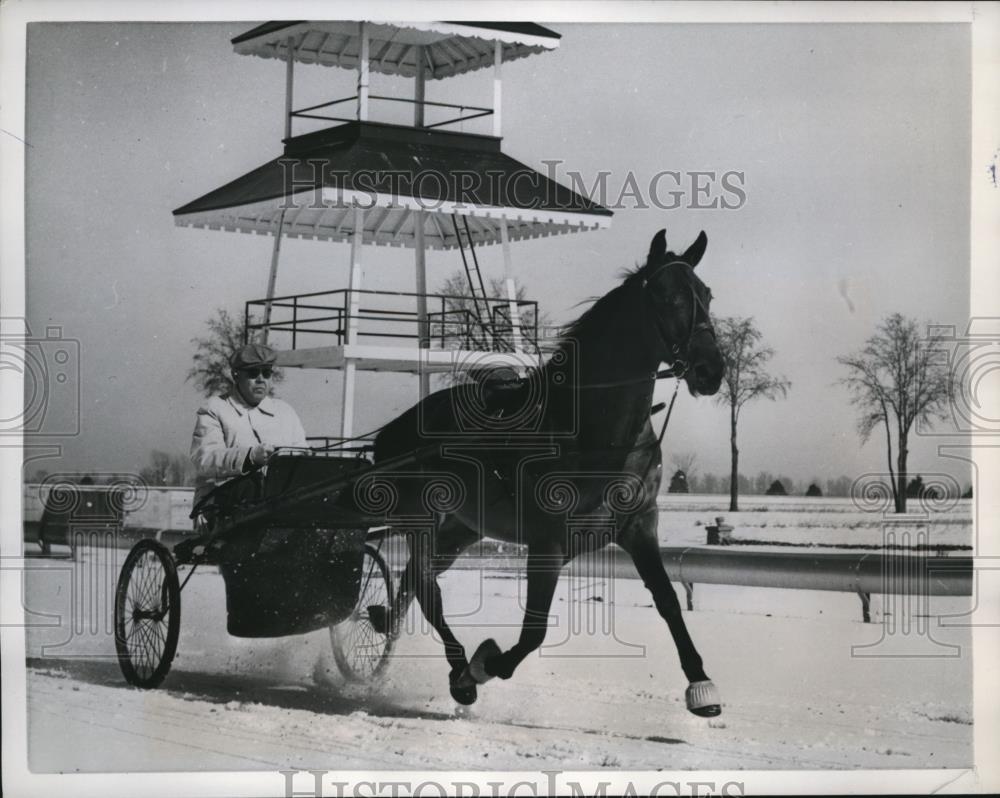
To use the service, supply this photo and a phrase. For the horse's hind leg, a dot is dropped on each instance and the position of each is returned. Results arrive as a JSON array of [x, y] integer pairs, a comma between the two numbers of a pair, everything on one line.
[[431, 555], [641, 544]]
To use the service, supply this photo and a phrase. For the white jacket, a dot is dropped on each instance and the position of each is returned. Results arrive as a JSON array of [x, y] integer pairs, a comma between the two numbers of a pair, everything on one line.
[[227, 429]]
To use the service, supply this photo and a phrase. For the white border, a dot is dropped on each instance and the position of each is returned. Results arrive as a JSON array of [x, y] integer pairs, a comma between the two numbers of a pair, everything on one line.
[[985, 21]]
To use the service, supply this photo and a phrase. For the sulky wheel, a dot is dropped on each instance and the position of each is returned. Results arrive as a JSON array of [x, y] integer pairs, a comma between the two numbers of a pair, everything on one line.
[[147, 614], [363, 642]]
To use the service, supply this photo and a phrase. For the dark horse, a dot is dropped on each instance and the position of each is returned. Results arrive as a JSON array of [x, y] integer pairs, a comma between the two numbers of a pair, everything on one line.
[[524, 460]]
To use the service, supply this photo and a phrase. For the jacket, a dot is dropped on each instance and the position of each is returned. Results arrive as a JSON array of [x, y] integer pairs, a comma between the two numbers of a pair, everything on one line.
[[227, 429]]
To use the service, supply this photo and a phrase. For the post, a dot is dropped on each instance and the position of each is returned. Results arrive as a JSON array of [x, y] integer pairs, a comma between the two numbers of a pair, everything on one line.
[[420, 251], [289, 83], [515, 317], [363, 73], [689, 592], [497, 91], [419, 89], [350, 324], [272, 277], [866, 606]]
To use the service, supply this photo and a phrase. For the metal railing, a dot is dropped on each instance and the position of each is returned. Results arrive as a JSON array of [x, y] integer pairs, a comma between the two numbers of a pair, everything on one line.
[[913, 574], [392, 315], [478, 111]]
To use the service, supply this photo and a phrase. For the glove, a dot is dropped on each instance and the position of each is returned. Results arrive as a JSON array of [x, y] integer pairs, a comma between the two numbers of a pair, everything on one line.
[[260, 453]]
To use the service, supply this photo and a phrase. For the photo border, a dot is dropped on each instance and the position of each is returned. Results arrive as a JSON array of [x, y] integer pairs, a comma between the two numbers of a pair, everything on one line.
[[985, 288]]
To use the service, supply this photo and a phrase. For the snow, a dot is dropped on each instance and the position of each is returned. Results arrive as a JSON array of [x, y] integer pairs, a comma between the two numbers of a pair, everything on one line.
[[605, 692]]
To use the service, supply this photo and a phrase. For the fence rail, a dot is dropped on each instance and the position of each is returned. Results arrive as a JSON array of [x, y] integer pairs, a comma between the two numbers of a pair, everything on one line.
[[860, 573], [392, 314]]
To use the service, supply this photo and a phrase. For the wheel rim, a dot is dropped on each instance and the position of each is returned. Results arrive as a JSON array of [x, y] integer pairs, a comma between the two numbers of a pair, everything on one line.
[[146, 615], [362, 646]]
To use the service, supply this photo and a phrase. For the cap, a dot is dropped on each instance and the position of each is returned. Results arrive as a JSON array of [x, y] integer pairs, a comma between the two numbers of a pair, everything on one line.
[[250, 355]]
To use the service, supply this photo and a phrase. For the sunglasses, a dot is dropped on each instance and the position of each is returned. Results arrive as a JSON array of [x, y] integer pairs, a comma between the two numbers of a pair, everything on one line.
[[255, 373]]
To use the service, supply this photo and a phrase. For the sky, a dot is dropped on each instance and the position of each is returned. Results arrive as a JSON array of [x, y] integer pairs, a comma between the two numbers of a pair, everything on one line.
[[853, 142]]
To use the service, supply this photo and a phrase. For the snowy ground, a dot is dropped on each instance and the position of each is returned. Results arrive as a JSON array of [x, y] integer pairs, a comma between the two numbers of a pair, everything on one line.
[[607, 692]]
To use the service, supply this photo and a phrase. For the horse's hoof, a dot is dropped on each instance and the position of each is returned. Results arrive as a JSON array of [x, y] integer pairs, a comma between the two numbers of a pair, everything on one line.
[[477, 665], [463, 687], [702, 699], [464, 695]]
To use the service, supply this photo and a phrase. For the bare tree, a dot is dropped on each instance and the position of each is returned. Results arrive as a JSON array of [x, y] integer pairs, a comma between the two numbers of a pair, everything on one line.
[[462, 302], [210, 372], [165, 468], [746, 379], [465, 324], [896, 380]]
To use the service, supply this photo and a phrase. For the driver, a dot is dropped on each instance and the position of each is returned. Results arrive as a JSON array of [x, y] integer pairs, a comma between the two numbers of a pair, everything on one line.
[[239, 431]]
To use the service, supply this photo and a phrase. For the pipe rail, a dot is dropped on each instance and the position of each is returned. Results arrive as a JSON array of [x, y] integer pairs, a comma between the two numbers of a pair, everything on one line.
[[328, 313], [861, 573]]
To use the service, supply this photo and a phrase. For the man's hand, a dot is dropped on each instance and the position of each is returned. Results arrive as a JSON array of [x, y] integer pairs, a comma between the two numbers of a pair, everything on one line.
[[260, 454]]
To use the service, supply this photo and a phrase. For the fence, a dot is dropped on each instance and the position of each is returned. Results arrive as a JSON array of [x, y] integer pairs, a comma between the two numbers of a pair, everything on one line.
[[862, 574]]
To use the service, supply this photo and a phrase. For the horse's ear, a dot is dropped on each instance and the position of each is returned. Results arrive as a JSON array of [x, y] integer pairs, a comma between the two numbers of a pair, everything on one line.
[[658, 248], [696, 250]]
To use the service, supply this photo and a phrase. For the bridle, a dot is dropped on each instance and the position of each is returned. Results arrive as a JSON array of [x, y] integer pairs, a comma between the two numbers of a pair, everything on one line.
[[680, 361]]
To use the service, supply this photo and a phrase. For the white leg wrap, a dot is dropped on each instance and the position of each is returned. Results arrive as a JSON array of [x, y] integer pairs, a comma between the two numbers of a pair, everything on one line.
[[701, 694]]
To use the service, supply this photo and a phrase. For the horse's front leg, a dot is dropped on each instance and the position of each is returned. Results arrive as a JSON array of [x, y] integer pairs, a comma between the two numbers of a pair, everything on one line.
[[642, 545], [543, 573]]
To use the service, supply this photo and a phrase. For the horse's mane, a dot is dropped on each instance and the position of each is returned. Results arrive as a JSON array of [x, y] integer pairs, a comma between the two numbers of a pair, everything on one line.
[[600, 313]]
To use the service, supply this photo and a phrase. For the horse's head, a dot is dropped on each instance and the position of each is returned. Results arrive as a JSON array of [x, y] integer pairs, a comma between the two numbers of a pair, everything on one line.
[[681, 325]]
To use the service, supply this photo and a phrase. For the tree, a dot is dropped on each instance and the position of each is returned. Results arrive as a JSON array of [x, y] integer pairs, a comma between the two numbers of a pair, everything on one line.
[[814, 489], [461, 303], [166, 468], [685, 462], [678, 483], [840, 486], [746, 379], [776, 488], [709, 483], [896, 380], [210, 372]]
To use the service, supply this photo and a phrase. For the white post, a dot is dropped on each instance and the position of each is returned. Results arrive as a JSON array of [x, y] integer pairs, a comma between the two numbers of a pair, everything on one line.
[[515, 317], [272, 277], [420, 251], [289, 84], [363, 74], [350, 324], [497, 59], [419, 89]]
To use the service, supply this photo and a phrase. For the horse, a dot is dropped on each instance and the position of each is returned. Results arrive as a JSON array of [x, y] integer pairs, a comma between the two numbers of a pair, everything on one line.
[[519, 458]]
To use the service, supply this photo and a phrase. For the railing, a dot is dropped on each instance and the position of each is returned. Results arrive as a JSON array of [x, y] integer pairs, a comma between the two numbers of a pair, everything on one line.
[[390, 315], [336, 446], [478, 111], [863, 574]]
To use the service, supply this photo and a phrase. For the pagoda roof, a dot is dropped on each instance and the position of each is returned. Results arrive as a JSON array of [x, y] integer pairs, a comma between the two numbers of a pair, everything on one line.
[[392, 171], [450, 48]]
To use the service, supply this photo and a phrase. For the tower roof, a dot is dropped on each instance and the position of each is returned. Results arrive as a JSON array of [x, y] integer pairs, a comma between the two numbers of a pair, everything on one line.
[[394, 170], [450, 48]]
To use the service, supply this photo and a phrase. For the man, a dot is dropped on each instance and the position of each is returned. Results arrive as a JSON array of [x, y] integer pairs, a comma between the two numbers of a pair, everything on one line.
[[239, 431]]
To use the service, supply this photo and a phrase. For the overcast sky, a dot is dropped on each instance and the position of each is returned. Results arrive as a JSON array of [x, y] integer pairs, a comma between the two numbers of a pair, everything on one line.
[[853, 139]]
